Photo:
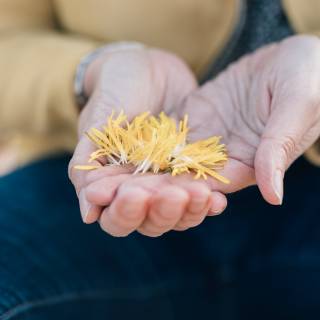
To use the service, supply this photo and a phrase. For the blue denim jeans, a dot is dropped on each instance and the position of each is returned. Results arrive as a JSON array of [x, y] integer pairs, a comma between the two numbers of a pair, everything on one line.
[[253, 262]]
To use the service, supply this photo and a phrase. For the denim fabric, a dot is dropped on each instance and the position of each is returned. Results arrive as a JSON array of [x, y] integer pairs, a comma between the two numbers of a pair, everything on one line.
[[254, 261]]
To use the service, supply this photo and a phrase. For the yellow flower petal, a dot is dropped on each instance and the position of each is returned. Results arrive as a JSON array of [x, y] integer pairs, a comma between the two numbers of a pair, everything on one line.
[[86, 167], [156, 144]]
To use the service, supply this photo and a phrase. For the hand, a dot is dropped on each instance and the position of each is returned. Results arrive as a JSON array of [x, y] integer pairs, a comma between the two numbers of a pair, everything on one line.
[[266, 107], [136, 81], [151, 204]]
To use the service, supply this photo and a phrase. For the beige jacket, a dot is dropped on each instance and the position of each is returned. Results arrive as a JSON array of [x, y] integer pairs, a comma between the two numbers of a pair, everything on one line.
[[42, 41]]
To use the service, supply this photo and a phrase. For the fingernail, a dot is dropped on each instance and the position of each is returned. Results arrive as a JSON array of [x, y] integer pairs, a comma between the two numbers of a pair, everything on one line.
[[84, 206], [217, 212], [278, 185]]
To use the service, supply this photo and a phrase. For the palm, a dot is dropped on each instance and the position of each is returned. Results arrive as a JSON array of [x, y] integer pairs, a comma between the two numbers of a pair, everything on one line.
[[137, 82], [236, 107], [263, 106]]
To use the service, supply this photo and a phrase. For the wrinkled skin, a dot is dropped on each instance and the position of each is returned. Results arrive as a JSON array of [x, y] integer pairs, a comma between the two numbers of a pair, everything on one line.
[[267, 109], [137, 81], [265, 106]]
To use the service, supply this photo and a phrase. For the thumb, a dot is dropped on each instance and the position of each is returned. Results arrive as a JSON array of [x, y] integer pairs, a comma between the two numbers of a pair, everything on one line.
[[278, 148], [270, 165]]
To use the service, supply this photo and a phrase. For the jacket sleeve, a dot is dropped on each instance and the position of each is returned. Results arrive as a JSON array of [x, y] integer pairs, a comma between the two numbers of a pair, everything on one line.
[[37, 66]]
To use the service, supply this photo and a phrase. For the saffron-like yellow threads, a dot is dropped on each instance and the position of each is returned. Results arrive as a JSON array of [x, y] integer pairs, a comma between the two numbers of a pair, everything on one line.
[[155, 144]]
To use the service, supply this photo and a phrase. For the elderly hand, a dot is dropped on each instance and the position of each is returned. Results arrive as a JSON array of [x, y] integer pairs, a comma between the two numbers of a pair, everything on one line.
[[266, 107], [137, 80]]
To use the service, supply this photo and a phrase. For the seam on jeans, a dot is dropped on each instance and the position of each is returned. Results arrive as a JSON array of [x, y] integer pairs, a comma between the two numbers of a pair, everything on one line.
[[120, 293]]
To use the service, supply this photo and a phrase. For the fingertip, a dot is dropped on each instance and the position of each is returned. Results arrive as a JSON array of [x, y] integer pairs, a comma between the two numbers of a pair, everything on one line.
[[111, 228], [93, 214], [171, 201], [126, 213], [268, 164], [270, 195], [270, 185], [218, 203], [90, 213], [199, 195], [132, 203], [84, 205], [174, 193], [166, 209], [98, 195], [198, 189]]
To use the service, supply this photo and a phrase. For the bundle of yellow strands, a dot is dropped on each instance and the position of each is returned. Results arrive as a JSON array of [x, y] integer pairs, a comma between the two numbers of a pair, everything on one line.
[[156, 144]]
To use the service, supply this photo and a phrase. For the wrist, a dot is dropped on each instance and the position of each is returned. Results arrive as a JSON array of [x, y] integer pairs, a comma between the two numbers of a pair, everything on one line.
[[92, 75], [89, 69]]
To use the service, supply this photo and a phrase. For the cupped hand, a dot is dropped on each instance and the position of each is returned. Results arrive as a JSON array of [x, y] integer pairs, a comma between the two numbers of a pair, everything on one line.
[[266, 107], [137, 80], [151, 204]]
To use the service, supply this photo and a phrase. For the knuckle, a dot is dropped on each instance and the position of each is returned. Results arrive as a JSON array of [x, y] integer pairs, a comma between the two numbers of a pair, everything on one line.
[[130, 217], [123, 220], [160, 223], [196, 210], [156, 225], [94, 196], [310, 44], [114, 230], [182, 226], [194, 217], [191, 222], [289, 146], [162, 217], [174, 195], [133, 210]]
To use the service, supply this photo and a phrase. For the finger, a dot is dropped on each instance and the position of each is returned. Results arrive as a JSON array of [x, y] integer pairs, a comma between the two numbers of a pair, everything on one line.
[[199, 195], [166, 209], [197, 209], [81, 156], [240, 176], [126, 213], [93, 214], [102, 191], [218, 203], [270, 170], [89, 212], [214, 207], [281, 144]]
